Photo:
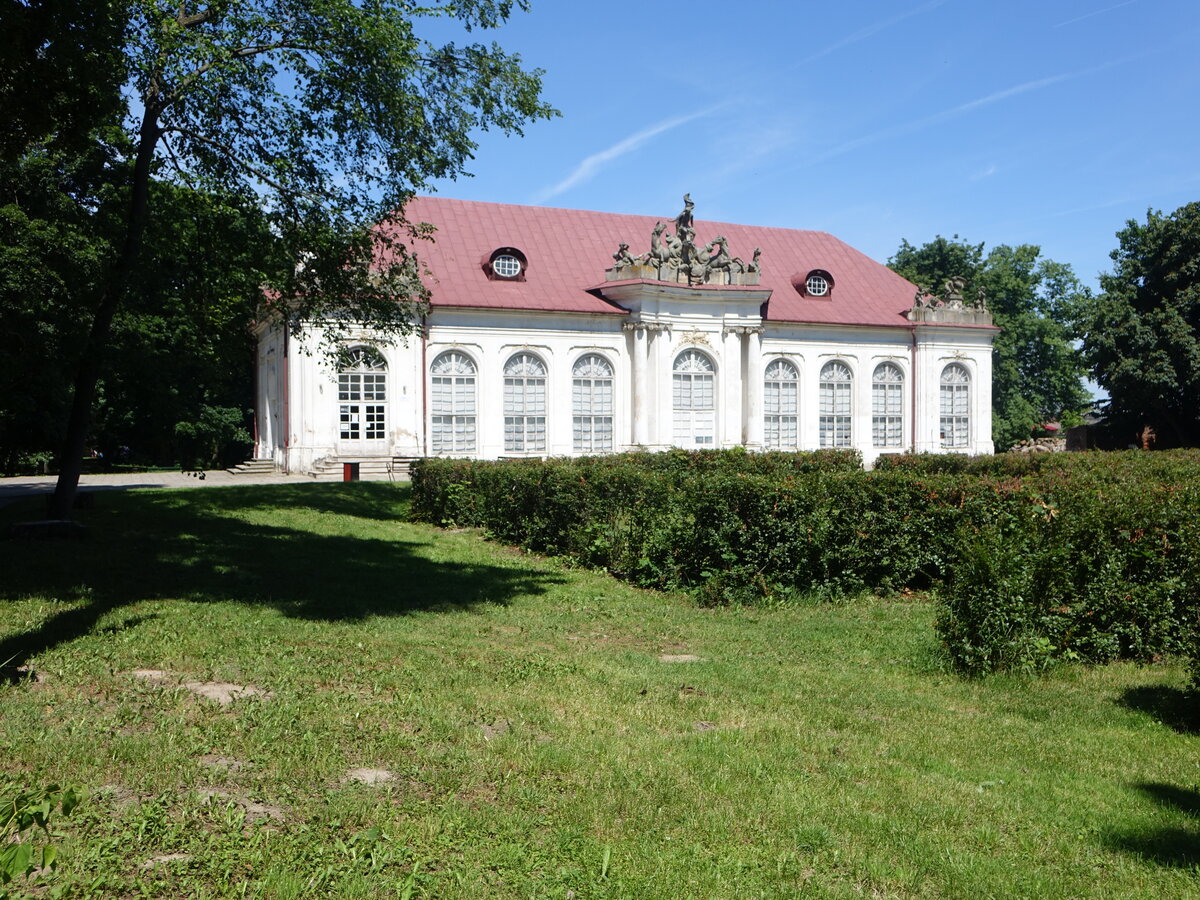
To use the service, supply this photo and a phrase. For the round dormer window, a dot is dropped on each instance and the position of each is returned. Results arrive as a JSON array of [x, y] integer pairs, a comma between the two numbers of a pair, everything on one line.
[[817, 285], [505, 265]]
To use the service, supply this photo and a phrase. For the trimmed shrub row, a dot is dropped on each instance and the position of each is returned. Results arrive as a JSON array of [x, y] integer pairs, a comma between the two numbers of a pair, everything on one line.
[[1091, 556]]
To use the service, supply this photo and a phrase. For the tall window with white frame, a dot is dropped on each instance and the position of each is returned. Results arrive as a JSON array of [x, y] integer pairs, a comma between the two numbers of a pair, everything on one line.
[[524, 404], [362, 392], [781, 406], [887, 406], [836, 395], [694, 400], [592, 404], [955, 406], [452, 404]]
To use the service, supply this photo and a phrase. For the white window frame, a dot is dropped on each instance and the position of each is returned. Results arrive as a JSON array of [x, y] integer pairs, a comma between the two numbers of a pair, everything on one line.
[[592, 396], [694, 400], [954, 403], [836, 417], [781, 405], [362, 394], [453, 424], [887, 406], [524, 404]]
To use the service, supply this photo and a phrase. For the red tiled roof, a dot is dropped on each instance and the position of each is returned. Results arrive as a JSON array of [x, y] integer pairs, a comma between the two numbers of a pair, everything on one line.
[[568, 250]]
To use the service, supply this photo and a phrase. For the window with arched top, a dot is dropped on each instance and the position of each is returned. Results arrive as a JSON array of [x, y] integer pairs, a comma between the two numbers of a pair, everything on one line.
[[781, 406], [955, 396], [524, 404], [362, 394], [694, 400], [887, 406], [452, 403], [592, 404], [837, 406]]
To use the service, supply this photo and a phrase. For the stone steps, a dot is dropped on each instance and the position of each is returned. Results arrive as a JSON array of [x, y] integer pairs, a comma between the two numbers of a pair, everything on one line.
[[372, 468], [254, 467]]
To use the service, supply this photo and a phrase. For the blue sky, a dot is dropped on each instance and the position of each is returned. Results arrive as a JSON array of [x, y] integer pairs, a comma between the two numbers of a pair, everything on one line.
[[1049, 122]]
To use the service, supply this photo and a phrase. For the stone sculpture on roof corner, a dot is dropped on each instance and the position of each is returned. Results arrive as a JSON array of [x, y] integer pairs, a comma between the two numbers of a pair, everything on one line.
[[679, 259]]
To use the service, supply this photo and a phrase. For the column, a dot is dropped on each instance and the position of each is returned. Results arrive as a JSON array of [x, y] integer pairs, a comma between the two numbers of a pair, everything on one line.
[[754, 387], [638, 343], [733, 373]]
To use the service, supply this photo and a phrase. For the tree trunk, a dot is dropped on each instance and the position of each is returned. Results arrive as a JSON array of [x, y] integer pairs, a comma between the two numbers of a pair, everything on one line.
[[70, 463]]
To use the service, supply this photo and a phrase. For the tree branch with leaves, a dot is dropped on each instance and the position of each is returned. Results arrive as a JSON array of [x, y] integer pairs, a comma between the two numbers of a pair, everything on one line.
[[329, 114]]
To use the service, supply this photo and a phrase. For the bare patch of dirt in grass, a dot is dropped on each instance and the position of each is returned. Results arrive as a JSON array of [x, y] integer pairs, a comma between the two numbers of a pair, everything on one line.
[[119, 795], [369, 776], [255, 812], [494, 729], [679, 658], [223, 692], [166, 859], [227, 763]]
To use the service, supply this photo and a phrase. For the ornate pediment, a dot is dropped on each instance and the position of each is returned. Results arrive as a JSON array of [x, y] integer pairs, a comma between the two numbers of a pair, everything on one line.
[[679, 259]]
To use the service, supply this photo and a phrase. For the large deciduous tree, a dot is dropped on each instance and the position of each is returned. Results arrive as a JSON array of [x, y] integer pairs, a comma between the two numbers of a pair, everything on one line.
[[326, 113], [1036, 370], [1141, 335]]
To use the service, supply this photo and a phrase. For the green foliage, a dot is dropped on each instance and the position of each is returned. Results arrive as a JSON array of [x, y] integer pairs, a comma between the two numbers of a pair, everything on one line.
[[1036, 371], [330, 113], [52, 252], [1039, 558], [1096, 559], [1141, 336], [22, 813]]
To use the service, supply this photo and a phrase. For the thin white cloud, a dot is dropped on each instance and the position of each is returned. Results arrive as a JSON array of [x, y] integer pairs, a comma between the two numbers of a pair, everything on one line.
[[985, 173], [962, 109], [873, 29], [1097, 12], [591, 165]]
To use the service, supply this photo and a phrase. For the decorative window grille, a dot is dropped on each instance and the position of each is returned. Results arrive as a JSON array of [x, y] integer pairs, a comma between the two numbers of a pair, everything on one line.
[[887, 406], [362, 392], [524, 404], [955, 406], [592, 404], [836, 387], [693, 397], [452, 404], [781, 406]]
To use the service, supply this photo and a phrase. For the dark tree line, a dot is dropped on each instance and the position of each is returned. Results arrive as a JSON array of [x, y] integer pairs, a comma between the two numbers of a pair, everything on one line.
[[172, 171]]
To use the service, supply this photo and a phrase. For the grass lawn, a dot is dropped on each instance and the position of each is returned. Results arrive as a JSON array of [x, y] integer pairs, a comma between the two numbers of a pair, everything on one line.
[[537, 731]]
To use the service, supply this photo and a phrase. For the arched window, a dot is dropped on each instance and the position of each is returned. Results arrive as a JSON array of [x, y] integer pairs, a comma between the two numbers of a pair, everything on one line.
[[836, 404], [524, 404], [887, 406], [781, 406], [592, 404], [452, 423], [694, 400], [956, 406], [362, 391]]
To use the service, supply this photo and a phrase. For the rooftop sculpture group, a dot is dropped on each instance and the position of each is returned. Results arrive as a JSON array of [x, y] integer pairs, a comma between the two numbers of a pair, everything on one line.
[[949, 305], [680, 259]]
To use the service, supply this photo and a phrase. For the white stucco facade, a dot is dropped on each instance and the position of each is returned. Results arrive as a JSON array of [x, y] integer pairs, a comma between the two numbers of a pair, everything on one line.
[[932, 394]]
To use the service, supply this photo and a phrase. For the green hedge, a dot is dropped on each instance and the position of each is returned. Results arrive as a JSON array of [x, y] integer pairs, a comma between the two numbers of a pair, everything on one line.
[[1036, 558]]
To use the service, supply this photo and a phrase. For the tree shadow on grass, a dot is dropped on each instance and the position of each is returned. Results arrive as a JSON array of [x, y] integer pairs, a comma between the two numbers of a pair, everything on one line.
[[192, 545], [1174, 707], [1177, 846]]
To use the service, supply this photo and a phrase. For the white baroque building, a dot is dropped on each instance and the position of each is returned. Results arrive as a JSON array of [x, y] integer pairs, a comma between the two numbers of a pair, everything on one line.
[[542, 341]]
